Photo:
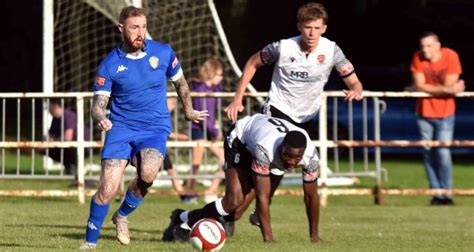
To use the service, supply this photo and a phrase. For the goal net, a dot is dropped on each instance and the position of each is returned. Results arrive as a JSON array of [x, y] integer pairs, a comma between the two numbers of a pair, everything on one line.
[[85, 31]]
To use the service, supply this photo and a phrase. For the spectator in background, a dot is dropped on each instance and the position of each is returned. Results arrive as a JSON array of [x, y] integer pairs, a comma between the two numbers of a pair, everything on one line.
[[168, 165], [209, 79], [66, 132], [436, 71]]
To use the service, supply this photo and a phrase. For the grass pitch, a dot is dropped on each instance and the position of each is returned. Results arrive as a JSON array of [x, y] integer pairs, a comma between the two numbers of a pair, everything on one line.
[[348, 223]]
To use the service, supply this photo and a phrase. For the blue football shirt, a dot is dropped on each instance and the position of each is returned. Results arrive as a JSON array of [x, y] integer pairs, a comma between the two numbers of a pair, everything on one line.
[[137, 85]]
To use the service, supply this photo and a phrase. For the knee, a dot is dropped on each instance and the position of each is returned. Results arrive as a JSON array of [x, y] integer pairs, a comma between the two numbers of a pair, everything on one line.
[[148, 177], [143, 185], [105, 194], [232, 201]]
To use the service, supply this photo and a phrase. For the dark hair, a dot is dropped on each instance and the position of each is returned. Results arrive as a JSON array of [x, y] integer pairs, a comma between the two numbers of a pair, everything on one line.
[[295, 139], [312, 11], [131, 11], [429, 34], [55, 100]]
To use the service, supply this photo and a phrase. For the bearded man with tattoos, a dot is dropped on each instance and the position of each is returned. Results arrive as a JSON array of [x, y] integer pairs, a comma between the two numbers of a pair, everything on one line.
[[133, 77]]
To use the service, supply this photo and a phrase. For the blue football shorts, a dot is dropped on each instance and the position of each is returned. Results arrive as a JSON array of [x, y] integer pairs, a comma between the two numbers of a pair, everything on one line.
[[122, 143]]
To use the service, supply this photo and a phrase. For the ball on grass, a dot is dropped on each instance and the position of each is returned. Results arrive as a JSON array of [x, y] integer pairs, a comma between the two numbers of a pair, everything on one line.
[[207, 235]]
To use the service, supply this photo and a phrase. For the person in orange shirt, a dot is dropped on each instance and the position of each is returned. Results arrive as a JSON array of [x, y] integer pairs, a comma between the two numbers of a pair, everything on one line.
[[436, 70]]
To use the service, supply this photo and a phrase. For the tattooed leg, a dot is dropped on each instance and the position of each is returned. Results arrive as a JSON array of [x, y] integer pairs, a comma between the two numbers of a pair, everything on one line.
[[149, 163], [112, 171]]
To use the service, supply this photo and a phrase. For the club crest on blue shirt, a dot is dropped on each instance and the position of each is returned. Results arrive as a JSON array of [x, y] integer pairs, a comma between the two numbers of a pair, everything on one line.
[[154, 62]]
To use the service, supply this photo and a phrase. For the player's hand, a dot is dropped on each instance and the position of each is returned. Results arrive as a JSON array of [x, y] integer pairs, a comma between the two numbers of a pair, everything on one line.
[[181, 137], [105, 125], [197, 116], [352, 95], [178, 136], [233, 109]]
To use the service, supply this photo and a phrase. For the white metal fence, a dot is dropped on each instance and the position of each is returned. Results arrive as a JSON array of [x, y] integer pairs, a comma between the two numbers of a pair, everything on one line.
[[21, 136]]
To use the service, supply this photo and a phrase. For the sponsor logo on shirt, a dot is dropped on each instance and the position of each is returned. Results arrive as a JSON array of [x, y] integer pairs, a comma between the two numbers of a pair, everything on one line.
[[100, 81], [303, 76], [154, 61], [321, 58], [299, 75], [175, 63], [121, 68]]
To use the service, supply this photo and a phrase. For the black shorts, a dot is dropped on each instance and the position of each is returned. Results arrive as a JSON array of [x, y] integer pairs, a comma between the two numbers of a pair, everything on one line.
[[237, 155], [167, 163]]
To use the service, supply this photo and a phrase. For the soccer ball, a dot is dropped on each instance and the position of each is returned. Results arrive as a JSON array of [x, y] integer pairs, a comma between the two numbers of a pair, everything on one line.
[[207, 235]]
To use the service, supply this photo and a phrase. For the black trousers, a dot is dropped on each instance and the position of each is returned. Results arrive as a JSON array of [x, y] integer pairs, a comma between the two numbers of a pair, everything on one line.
[[69, 158]]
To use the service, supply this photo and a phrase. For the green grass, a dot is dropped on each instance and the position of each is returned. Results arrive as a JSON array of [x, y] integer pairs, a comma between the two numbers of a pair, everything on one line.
[[347, 224], [408, 172]]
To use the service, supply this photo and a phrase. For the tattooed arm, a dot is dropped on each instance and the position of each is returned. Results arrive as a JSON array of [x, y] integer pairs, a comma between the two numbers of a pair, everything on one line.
[[182, 89], [98, 112]]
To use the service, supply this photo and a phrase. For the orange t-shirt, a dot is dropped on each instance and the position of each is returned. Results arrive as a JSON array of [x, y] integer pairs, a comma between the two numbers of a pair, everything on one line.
[[435, 73]]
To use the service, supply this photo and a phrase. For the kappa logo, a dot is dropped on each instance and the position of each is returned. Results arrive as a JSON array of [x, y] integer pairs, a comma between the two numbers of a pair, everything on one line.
[[292, 59], [91, 225], [121, 68]]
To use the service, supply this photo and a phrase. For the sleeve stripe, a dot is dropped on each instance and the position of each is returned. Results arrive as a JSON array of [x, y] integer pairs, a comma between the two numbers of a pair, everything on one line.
[[102, 92], [178, 75], [347, 75]]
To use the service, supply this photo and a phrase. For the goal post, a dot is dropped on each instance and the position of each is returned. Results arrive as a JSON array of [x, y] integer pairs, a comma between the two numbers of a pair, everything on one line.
[[85, 31]]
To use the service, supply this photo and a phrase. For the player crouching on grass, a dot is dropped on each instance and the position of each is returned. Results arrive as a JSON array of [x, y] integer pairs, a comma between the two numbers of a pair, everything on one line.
[[252, 148]]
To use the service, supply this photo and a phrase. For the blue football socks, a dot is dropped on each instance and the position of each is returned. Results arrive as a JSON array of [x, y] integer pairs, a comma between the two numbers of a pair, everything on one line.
[[129, 204], [96, 219]]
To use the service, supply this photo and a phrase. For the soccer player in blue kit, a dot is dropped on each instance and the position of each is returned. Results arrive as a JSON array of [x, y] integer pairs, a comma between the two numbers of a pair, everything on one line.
[[133, 76]]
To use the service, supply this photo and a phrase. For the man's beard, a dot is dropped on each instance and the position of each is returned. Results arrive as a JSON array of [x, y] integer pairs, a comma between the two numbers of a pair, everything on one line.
[[134, 45]]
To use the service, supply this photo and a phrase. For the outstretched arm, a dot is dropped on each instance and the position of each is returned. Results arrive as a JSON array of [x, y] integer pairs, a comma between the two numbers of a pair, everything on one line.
[[250, 68], [263, 191], [182, 88], [311, 200], [355, 88], [98, 112]]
